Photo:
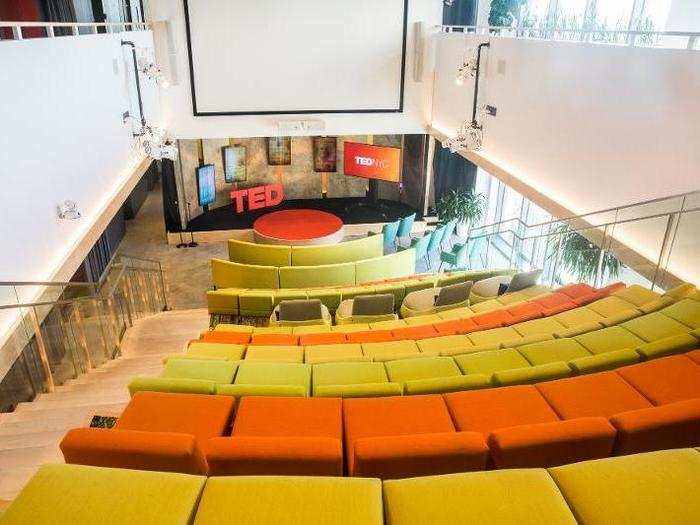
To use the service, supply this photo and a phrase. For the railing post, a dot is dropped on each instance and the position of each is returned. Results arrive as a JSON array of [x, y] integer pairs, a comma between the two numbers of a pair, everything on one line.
[[162, 286], [50, 32], [75, 30], [601, 258], [43, 356], [17, 32], [80, 329], [667, 243], [692, 40]]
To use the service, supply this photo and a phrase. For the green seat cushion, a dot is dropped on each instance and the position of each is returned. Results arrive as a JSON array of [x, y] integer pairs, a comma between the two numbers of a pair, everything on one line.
[[423, 319], [206, 369], [490, 361], [455, 313], [332, 353], [419, 284], [447, 279], [577, 317], [654, 326], [399, 264], [310, 276], [609, 306], [223, 301], [522, 496], [494, 336], [264, 254], [215, 351], [329, 297], [169, 384], [350, 292], [606, 361], [275, 354], [651, 488], [528, 339], [405, 370], [485, 306], [227, 274], [260, 373], [359, 390], [262, 390], [675, 344], [440, 385], [435, 345], [288, 295], [348, 374], [390, 349], [532, 374], [273, 500], [686, 311], [78, 494], [546, 325], [553, 351], [608, 339], [256, 303], [636, 295]]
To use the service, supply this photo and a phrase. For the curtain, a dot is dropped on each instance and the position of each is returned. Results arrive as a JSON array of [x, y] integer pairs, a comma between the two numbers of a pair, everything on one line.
[[59, 11], [171, 209], [451, 171], [460, 13]]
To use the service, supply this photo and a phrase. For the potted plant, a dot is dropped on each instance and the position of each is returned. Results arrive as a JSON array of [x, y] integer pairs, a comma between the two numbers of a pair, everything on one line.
[[461, 204], [580, 257]]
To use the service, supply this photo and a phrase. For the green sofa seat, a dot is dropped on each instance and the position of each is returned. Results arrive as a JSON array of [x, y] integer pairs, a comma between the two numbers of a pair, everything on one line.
[[553, 351], [578, 316], [490, 361], [256, 303], [82, 495], [275, 354], [494, 336], [531, 374], [399, 264], [439, 385], [227, 274], [314, 276], [353, 373], [334, 353], [608, 339], [605, 361], [342, 252], [244, 252], [170, 384], [654, 326], [359, 390], [391, 350], [206, 369], [262, 374], [224, 301], [675, 344], [405, 370], [686, 311]]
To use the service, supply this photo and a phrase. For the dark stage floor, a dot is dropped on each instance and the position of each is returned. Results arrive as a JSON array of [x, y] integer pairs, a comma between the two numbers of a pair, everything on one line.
[[350, 210]]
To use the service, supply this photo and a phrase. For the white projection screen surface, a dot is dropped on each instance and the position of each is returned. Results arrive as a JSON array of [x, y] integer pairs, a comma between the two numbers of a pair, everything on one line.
[[296, 56]]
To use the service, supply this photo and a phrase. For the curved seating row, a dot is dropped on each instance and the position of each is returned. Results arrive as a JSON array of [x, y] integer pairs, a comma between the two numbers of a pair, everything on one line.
[[649, 488], [642, 407], [244, 252], [247, 300]]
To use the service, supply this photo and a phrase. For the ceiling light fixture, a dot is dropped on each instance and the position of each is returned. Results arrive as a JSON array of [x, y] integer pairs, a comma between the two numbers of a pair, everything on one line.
[[152, 71], [466, 69], [68, 210], [156, 145]]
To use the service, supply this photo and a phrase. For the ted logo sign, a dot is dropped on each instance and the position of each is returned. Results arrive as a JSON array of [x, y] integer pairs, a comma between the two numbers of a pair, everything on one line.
[[258, 197], [372, 162]]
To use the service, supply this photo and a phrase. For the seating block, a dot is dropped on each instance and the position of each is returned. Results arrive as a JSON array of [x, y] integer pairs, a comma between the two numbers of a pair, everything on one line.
[[665, 380]]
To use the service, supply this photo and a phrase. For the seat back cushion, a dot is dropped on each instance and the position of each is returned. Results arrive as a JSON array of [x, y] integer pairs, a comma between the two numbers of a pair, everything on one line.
[[453, 294], [300, 310], [379, 304], [523, 280]]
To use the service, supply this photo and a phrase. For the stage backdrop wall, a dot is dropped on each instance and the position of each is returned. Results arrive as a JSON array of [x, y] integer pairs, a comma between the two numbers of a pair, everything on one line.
[[298, 179]]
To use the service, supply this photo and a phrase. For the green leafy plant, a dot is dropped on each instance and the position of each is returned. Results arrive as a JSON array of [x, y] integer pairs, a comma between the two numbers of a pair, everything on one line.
[[505, 12], [580, 256], [461, 204]]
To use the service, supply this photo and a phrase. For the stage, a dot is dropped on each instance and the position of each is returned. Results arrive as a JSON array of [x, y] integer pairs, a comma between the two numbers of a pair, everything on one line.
[[358, 215]]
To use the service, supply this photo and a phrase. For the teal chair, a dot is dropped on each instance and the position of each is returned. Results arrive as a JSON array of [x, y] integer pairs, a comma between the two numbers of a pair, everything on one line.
[[389, 231], [405, 227], [476, 249], [420, 245], [449, 232], [435, 242], [456, 257]]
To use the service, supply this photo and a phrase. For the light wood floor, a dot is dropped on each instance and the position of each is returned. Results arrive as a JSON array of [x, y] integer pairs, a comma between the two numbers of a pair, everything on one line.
[[30, 435]]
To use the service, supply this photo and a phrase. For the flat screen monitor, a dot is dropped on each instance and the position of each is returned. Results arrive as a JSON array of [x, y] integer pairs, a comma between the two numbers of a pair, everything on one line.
[[206, 184], [372, 162]]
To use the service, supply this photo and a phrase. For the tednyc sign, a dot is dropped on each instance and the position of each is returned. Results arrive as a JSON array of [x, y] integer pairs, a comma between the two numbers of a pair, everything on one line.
[[258, 197]]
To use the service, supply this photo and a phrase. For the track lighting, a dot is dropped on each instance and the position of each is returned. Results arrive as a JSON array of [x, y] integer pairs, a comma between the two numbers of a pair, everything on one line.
[[68, 210], [156, 145], [466, 69], [152, 71], [469, 137]]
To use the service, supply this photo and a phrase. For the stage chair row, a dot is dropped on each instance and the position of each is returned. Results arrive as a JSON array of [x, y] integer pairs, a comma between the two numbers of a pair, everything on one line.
[[647, 406], [655, 487]]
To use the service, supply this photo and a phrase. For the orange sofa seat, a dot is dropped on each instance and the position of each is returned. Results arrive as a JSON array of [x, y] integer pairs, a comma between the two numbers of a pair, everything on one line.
[[494, 319], [665, 380], [376, 336], [546, 445], [133, 449], [694, 355], [275, 339], [604, 394], [490, 409], [324, 338], [380, 421], [676, 425], [574, 291], [281, 436], [415, 332], [234, 338]]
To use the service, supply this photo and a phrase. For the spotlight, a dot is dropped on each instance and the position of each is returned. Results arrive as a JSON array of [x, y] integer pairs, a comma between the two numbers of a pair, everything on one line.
[[466, 69], [68, 210], [152, 71], [156, 145], [470, 137]]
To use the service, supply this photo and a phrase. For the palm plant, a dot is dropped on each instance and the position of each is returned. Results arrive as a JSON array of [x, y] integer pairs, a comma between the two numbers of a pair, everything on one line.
[[580, 256], [461, 204]]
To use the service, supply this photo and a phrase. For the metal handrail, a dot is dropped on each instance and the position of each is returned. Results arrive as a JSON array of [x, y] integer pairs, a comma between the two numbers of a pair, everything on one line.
[[49, 27]]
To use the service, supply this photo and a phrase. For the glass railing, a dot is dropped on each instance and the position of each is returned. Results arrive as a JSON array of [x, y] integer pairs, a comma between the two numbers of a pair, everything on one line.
[[53, 332], [655, 243]]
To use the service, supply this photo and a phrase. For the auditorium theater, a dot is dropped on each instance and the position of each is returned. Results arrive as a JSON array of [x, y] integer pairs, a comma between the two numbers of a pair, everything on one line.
[[368, 262]]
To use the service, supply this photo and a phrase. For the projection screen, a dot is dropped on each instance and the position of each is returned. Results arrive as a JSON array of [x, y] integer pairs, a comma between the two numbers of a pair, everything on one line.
[[296, 56]]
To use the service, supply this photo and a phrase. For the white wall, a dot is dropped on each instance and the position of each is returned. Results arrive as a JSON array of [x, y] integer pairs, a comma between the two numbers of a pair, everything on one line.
[[684, 16], [62, 137], [590, 126], [177, 103]]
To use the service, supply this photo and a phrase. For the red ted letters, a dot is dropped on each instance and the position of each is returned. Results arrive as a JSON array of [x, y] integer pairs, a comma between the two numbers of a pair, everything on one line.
[[258, 197]]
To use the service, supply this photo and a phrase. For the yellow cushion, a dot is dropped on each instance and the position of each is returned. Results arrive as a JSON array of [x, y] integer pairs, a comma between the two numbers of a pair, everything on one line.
[[239, 328], [390, 349], [494, 336], [334, 353], [276, 354], [435, 345]]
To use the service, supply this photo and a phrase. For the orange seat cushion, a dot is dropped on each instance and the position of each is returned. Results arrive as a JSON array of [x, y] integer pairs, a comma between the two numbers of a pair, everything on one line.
[[551, 444], [234, 338], [497, 318], [325, 338], [370, 336], [415, 332], [133, 449], [275, 339], [694, 355], [604, 394], [665, 380], [289, 416], [490, 409], [552, 300], [198, 415], [390, 457], [392, 416], [574, 291], [275, 456], [676, 425], [530, 310], [589, 298]]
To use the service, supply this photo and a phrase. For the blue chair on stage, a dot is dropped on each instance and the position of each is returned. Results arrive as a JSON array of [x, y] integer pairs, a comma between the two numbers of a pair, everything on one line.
[[449, 232], [389, 231], [405, 227], [435, 242], [420, 245]]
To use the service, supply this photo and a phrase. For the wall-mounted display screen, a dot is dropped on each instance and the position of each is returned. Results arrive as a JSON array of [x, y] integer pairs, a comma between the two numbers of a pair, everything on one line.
[[206, 184], [234, 163], [372, 162]]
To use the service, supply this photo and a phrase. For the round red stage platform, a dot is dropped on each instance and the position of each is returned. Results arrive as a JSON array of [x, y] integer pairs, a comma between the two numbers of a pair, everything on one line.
[[298, 227]]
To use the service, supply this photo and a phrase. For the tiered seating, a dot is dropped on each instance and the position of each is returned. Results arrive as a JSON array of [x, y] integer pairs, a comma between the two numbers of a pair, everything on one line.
[[541, 425], [658, 487]]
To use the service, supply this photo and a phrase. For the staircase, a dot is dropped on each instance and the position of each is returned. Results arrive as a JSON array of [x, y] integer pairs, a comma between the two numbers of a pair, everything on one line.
[[30, 435]]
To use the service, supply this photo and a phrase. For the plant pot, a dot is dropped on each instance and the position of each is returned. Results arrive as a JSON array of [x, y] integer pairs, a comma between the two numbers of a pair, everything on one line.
[[462, 229]]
